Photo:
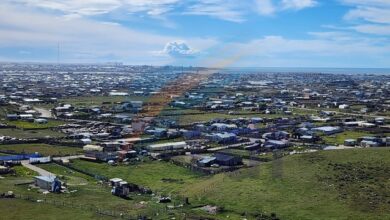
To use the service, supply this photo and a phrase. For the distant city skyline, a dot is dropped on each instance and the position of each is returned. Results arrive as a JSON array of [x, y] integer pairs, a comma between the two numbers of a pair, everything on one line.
[[247, 33]]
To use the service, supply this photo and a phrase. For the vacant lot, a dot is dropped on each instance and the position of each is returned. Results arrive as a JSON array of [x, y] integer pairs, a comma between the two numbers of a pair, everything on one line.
[[44, 149], [208, 116], [341, 137], [98, 100], [33, 125], [321, 185], [37, 133], [161, 176]]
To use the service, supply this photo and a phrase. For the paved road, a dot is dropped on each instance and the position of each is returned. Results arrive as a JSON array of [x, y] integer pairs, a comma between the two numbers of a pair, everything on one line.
[[39, 170], [42, 172]]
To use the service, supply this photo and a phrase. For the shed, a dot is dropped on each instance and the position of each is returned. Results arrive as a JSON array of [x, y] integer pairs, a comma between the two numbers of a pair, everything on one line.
[[227, 160], [206, 161], [50, 183]]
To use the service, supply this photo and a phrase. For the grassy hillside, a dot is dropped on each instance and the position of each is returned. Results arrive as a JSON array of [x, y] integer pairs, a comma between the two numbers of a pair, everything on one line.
[[344, 184]]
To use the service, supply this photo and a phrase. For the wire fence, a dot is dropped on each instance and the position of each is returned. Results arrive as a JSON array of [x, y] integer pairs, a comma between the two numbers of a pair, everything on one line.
[[64, 204]]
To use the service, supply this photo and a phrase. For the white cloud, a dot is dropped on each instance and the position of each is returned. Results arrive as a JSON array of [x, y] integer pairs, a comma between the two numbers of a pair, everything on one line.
[[270, 7], [373, 15], [324, 49], [96, 7], [370, 14], [229, 10], [373, 29], [298, 4], [265, 7], [82, 38], [178, 50]]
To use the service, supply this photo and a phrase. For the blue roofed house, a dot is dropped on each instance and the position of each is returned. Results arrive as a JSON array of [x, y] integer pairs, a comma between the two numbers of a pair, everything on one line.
[[227, 160], [224, 138], [328, 130]]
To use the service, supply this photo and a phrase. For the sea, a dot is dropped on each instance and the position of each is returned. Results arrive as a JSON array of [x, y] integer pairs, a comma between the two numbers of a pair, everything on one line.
[[376, 71]]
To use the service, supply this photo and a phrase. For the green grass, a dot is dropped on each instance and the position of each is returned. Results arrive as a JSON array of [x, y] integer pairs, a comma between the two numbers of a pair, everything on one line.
[[21, 209], [340, 184], [33, 125], [245, 153], [65, 174], [18, 133], [341, 137], [98, 100], [305, 186], [149, 174], [44, 149], [86, 193], [208, 116]]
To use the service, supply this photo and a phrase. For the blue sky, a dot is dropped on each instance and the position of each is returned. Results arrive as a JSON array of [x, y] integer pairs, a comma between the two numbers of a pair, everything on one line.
[[215, 33]]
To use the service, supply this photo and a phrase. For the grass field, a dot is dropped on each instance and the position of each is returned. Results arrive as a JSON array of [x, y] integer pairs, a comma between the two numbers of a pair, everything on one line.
[[188, 119], [321, 185], [39, 211], [98, 100], [340, 184], [44, 149], [340, 138], [159, 176], [85, 194], [245, 153], [33, 125], [37, 133]]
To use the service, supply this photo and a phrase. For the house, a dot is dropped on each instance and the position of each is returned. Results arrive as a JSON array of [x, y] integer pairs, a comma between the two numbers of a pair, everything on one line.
[[86, 140], [40, 121], [343, 106], [308, 138], [122, 190], [227, 160], [111, 146], [275, 144], [222, 127], [173, 133], [157, 132], [223, 138], [366, 143], [33, 160], [350, 142], [101, 156], [168, 146], [189, 134], [328, 130], [206, 161], [50, 183], [90, 147], [277, 135], [26, 117], [12, 117]]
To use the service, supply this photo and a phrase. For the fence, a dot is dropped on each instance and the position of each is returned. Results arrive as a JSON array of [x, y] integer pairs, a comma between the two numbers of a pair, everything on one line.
[[141, 189], [96, 176], [202, 170], [18, 157], [72, 205]]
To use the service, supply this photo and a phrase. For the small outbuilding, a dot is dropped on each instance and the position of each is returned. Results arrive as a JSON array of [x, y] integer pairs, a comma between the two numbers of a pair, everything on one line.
[[50, 183]]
